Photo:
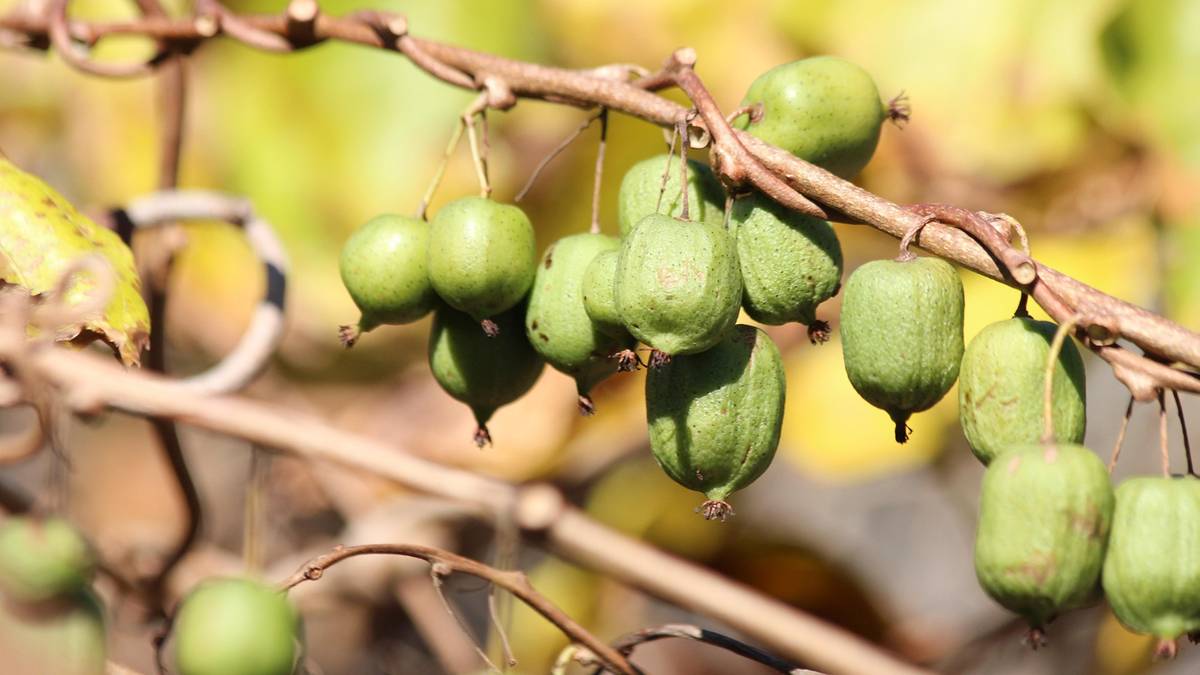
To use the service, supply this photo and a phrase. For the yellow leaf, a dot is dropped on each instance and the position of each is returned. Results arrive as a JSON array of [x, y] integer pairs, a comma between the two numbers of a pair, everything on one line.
[[42, 235]]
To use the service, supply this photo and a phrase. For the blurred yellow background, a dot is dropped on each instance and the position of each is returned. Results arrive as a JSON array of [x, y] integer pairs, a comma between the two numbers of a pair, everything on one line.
[[1081, 118]]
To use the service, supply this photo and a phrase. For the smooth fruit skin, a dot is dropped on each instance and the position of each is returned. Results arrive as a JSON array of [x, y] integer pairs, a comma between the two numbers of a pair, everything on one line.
[[715, 416], [42, 560], [678, 284], [823, 109], [790, 262], [641, 185], [235, 626], [68, 637], [482, 256], [1000, 387], [384, 268], [902, 334], [1152, 572], [485, 373], [556, 322], [599, 288], [1044, 517]]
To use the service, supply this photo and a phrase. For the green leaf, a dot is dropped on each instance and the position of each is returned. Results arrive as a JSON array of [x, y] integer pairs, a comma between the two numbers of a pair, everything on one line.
[[42, 235]]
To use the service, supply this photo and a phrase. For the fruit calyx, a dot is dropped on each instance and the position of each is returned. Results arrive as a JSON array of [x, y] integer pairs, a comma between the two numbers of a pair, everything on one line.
[[903, 431], [1165, 649], [348, 335], [819, 332], [716, 509], [658, 358], [490, 328], [482, 436], [1035, 638], [627, 361], [587, 407]]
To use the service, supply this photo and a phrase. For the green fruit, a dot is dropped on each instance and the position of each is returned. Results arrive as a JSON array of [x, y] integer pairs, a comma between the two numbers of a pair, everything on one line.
[[485, 373], [715, 416], [599, 287], [1152, 572], [678, 285], [482, 256], [235, 626], [67, 637], [642, 185], [823, 109], [556, 322], [42, 560], [790, 262], [902, 334], [383, 266], [1001, 383], [1044, 516]]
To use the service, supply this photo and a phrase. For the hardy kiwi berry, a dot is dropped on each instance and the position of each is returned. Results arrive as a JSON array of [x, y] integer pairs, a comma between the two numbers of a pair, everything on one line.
[[482, 257], [558, 325], [715, 416], [678, 286], [823, 109], [485, 373], [790, 263], [42, 560], [600, 293], [1152, 571], [1044, 516], [902, 334], [65, 637], [383, 266], [1000, 387], [235, 626], [643, 193]]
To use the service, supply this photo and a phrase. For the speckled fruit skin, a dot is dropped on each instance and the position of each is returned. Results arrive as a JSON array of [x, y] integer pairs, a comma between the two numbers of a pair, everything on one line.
[[599, 288], [1152, 572], [556, 322], [41, 560], [638, 196], [715, 416], [1044, 516], [790, 262], [232, 626], [902, 334], [67, 638], [822, 109], [485, 373], [678, 284], [482, 256], [1000, 387], [383, 266]]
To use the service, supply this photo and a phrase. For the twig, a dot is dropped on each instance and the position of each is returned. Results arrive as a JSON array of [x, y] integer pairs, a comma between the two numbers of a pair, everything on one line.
[[443, 562], [436, 574]]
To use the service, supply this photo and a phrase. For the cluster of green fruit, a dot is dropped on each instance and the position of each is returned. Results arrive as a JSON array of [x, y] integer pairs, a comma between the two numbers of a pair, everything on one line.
[[52, 622], [675, 280]]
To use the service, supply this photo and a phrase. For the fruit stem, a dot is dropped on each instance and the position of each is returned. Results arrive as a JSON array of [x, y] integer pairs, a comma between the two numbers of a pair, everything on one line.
[[1060, 336], [587, 407], [595, 226], [716, 509], [1022, 311], [905, 254], [455, 137], [681, 125], [662, 186]]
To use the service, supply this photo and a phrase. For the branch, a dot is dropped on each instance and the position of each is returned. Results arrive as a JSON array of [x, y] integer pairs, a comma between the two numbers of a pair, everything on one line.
[[1163, 341], [88, 383], [445, 562], [627, 643]]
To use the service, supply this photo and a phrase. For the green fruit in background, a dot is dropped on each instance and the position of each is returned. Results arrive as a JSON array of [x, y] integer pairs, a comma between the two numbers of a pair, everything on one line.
[[556, 322], [678, 285], [715, 416], [485, 373], [1044, 516], [235, 626], [823, 109], [599, 288], [790, 262], [67, 637], [902, 334], [1152, 572], [383, 266], [642, 185], [482, 256], [1001, 382], [42, 560]]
